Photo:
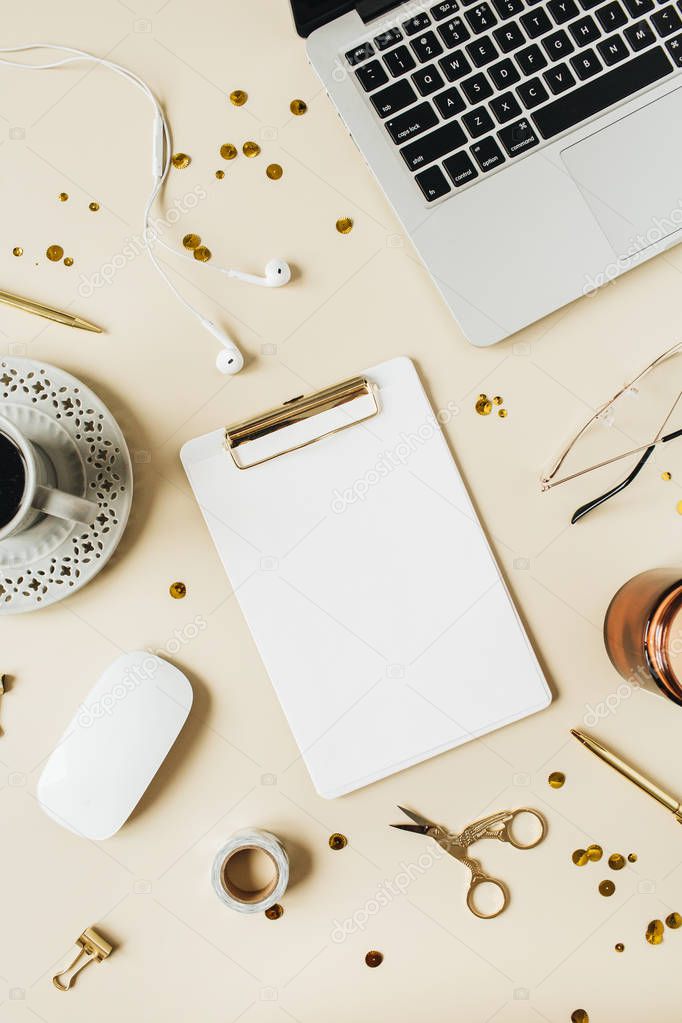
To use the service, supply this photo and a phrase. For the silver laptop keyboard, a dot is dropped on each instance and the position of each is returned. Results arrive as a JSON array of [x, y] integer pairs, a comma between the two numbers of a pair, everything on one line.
[[465, 88]]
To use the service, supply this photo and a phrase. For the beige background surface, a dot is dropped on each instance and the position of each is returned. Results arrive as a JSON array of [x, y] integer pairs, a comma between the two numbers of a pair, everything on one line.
[[356, 300]]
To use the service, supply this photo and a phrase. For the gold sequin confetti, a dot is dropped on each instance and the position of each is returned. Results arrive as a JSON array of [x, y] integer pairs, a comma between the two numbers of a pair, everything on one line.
[[274, 912], [202, 254], [632, 857], [580, 857], [181, 160], [228, 151], [579, 1016], [674, 920], [238, 97], [606, 888], [54, 253], [250, 149], [93, 207], [616, 861], [556, 779], [298, 107], [502, 413], [191, 241], [374, 958], [17, 250], [484, 405], [274, 171], [344, 225], [68, 260], [666, 475], [654, 932], [594, 852], [619, 947], [679, 507], [337, 841], [177, 590], [497, 400], [220, 174], [63, 196]]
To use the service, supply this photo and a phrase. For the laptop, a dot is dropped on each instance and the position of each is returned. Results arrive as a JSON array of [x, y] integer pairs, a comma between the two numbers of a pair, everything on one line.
[[532, 149]]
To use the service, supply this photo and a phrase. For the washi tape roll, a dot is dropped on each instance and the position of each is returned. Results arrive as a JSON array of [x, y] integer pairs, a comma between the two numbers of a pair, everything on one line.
[[231, 881]]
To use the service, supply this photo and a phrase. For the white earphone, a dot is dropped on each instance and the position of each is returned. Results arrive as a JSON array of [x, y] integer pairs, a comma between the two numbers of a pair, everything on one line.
[[277, 273]]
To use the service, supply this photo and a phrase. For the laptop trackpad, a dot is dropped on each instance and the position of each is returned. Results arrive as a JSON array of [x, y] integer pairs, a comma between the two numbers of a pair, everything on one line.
[[630, 175]]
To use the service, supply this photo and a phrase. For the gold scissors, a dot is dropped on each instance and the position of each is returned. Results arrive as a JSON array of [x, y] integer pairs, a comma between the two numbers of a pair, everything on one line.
[[497, 825]]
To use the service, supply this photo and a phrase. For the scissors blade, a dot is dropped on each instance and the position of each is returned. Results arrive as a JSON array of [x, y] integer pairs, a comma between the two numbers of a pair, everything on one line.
[[416, 817], [416, 829]]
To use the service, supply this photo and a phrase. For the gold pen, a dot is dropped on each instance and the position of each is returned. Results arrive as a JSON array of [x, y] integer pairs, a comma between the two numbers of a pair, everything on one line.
[[47, 311], [631, 773]]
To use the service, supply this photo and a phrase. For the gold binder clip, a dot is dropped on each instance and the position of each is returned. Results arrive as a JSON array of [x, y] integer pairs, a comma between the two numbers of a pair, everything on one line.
[[92, 948], [296, 410]]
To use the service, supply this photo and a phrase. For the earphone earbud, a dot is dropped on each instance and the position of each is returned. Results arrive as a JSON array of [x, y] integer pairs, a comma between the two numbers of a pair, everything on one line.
[[277, 274], [229, 360]]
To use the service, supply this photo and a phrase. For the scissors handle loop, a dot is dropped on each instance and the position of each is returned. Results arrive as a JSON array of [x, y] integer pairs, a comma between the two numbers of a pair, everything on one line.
[[506, 833], [475, 892]]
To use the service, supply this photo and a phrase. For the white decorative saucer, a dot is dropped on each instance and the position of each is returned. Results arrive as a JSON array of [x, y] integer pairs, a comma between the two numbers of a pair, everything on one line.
[[90, 459]]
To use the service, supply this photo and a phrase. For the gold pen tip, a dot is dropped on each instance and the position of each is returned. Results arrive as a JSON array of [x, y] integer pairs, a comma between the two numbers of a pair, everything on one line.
[[86, 325]]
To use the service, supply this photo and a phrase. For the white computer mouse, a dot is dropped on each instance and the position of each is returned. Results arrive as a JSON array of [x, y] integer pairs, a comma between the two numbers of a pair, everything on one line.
[[115, 744]]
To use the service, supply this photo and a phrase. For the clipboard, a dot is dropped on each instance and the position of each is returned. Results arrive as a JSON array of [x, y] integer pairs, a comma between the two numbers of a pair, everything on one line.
[[365, 577]]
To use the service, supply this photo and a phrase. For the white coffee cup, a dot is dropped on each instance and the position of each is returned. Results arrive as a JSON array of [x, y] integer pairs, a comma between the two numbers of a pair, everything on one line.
[[40, 496]]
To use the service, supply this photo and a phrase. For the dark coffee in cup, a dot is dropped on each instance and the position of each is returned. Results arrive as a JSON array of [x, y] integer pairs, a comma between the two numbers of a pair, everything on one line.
[[12, 479]]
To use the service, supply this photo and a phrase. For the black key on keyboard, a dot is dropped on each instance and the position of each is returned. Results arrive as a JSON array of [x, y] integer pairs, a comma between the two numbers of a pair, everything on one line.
[[477, 88], [433, 183], [509, 37], [563, 10], [613, 50], [508, 8], [487, 154], [558, 45], [666, 21], [587, 5], [536, 23], [559, 78], [444, 9], [411, 123], [394, 98], [674, 48], [427, 80], [434, 145], [460, 168], [371, 75], [592, 98], [359, 53], [455, 66], [611, 16], [637, 8], [505, 107], [482, 51], [449, 103], [416, 24], [504, 74], [454, 32], [531, 59], [640, 35], [399, 61], [518, 137], [388, 38], [532, 93], [477, 122], [426, 47], [585, 30], [586, 64], [481, 18]]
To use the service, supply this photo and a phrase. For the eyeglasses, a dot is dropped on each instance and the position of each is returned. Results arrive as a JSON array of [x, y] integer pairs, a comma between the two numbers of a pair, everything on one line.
[[639, 431]]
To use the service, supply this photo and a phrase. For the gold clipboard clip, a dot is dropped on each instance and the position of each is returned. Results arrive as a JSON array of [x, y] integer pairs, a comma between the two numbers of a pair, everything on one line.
[[296, 410], [92, 948]]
